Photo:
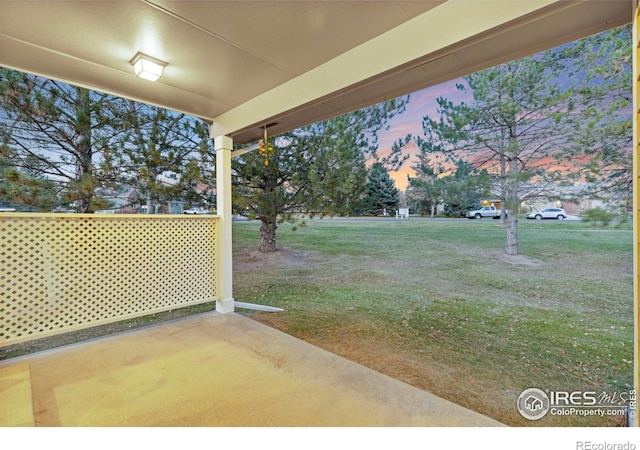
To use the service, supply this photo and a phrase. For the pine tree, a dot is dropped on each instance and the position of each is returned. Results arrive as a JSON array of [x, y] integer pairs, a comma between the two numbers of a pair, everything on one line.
[[382, 195], [57, 132], [603, 139], [319, 169], [21, 190], [531, 118], [458, 190], [164, 155], [518, 120], [464, 189]]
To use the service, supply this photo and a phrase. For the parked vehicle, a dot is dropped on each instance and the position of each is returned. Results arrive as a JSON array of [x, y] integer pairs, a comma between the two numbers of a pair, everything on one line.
[[196, 210], [485, 211], [548, 213]]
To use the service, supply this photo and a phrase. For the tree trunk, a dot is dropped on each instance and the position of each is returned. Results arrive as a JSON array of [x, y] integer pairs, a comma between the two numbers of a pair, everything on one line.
[[513, 199], [511, 219], [511, 241], [268, 236], [84, 150]]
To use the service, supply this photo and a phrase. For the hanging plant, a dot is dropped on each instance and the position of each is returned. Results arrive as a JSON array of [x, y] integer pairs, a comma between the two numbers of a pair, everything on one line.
[[266, 148]]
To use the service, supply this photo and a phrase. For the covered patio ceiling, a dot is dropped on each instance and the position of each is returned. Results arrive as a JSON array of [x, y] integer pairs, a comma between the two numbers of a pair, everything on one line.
[[242, 65]]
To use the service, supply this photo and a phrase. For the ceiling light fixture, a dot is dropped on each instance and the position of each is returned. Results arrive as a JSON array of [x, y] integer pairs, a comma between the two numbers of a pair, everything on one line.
[[147, 67]]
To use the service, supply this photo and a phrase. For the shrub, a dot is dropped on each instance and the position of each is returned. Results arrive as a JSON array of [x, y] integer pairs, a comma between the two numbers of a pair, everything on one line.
[[599, 216]]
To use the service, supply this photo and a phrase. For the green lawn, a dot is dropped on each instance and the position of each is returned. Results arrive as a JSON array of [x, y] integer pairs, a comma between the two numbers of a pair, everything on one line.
[[437, 304]]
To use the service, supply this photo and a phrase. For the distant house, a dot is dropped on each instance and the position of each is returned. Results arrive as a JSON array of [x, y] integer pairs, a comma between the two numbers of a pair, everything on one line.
[[172, 207], [127, 200], [496, 203], [123, 200]]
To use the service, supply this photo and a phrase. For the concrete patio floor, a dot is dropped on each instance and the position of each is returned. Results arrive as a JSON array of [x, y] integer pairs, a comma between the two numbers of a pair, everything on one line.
[[210, 370]]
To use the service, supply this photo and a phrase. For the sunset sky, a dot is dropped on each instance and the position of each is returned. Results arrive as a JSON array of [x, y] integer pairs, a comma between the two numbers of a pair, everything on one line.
[[420, 104]]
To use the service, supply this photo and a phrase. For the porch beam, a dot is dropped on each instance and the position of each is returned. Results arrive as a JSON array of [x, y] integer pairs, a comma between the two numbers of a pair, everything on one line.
[[224, 146], [384, 54]]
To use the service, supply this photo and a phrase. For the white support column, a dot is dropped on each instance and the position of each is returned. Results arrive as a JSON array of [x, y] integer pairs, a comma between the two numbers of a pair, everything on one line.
[[224, 146]]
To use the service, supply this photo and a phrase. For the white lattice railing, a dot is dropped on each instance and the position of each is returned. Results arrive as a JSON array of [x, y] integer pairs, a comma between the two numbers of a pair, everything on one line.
[[64, 272]]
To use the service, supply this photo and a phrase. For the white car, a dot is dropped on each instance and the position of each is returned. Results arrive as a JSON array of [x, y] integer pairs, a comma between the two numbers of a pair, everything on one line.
[[548, 213], [196, 210], [485, 211]]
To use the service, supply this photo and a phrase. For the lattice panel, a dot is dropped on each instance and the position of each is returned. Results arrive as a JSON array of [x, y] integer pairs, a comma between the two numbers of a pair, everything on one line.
[[63, 272]]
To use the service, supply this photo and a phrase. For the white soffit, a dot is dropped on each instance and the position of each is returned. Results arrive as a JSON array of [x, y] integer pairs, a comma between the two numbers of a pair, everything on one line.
[[241, 65], [451, 40]]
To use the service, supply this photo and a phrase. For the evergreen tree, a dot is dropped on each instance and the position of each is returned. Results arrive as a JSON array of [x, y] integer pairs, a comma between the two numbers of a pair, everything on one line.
[[457, 189], [265, 188], [602, 142], [164, 155], [382, 194], [518, 120], [530, 118], [21, 190], [57, 132], [76, 141], [316, 170], [464, 189], [425, 189]]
